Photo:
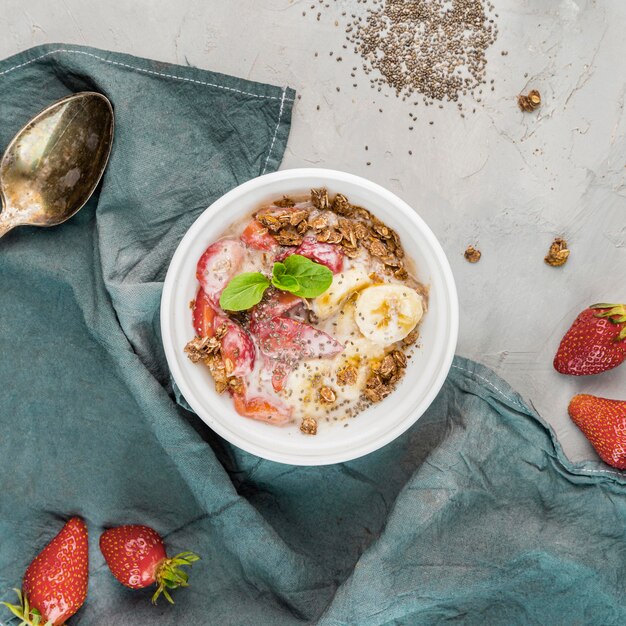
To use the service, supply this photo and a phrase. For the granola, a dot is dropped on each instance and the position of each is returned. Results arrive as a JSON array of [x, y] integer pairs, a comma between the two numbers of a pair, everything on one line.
[[558, 253], [308, 426]]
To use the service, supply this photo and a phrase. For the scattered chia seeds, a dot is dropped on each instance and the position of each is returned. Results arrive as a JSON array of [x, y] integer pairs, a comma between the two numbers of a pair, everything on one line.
[[432, 48]]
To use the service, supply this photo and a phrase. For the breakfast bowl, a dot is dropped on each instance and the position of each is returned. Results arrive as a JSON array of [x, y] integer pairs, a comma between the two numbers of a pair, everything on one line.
[[344, 437]]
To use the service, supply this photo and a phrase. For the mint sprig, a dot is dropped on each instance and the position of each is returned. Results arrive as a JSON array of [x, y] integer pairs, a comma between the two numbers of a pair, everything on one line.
[[314, 278], [244, 291], [297, 274]]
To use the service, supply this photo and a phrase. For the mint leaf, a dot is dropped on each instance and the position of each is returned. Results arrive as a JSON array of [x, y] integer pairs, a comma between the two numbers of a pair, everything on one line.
[[278, 270], [282, 280], [286, 283], [314, 278], [244, 291]]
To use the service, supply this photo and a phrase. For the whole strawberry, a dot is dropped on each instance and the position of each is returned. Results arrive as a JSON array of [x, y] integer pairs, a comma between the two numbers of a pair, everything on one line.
[[55, 584], [603, 422], [595, 343], [136, 556]]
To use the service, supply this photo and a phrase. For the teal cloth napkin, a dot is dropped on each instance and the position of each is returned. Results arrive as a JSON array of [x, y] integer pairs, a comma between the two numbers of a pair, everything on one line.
[[473, 516]]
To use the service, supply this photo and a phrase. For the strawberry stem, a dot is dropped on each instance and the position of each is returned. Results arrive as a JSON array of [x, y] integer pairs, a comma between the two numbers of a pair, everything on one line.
[[29, 616], [169, 574], [615, 313]]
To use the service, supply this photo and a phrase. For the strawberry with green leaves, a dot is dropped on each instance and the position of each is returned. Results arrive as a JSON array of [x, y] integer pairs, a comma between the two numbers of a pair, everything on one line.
[[55, 584], [603, 422], [136, 557], [595, 343]]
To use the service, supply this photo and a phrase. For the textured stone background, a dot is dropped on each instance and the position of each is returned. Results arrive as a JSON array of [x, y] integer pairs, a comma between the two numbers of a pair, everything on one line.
[[501, 179]]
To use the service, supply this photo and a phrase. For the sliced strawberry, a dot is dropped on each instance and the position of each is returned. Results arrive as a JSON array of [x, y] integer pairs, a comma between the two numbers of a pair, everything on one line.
[[238, 351], [327, 254], [256, 236], [263, 409], [289, 340], [219, 263], [203, 315], [274, 303], [284, 341], [280, 374]]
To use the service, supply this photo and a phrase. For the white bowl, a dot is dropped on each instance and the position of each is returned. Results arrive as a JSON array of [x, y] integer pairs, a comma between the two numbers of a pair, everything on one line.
[[379, 424]]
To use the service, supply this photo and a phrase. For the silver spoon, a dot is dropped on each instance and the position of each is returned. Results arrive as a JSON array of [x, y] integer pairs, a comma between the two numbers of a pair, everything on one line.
[[53, 165]]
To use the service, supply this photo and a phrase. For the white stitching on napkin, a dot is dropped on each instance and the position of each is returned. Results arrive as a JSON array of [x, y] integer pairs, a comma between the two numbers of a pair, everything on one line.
[[463, 369], [620, 474], [139, 69], [280, 115], [577, 470]]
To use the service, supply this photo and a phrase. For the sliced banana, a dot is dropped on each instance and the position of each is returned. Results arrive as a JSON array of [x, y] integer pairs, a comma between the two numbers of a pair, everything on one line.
[[343, 286], [355, 343], [387, 313]]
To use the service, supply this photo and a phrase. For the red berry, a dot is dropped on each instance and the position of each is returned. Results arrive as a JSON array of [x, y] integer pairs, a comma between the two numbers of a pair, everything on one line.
[[136, 557], [255, 235], [595, 343], [217, 265], [603, 422], [262, 408], [274, 303], [328, 254], [237, 348], [203, 315], [55, 584]]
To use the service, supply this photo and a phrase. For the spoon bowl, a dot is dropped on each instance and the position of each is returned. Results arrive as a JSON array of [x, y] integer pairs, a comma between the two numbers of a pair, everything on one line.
[[54, 164]]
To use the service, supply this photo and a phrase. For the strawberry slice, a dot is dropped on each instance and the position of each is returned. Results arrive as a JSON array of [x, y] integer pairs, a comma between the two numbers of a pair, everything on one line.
[[263, 409], [289, 340], [219, 263], [256, 236], [274, 303], [280, 374], [238, 351], [203, 315], [327, 254], [284, 341]]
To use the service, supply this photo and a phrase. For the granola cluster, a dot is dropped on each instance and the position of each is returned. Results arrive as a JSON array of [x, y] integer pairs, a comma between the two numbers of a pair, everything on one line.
[[208, 351], [558, 253], [308, 426], [339, 222], [384, 376]]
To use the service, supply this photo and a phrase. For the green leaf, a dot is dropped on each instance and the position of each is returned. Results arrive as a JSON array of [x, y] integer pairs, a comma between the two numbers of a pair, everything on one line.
[[16, 610], [282, 280], [314, 278], [286, 283], [244, 291], [279, 270]]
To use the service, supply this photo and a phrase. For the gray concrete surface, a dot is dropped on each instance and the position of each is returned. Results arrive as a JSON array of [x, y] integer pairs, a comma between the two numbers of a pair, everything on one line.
[[500, 179]]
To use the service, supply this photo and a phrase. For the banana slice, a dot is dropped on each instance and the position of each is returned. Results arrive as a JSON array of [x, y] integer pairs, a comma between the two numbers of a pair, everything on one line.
[[343, 286], [387, 313], [355, 343]]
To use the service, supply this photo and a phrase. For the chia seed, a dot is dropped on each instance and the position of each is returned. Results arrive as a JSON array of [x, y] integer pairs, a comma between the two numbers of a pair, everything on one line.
[[433, 48]]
